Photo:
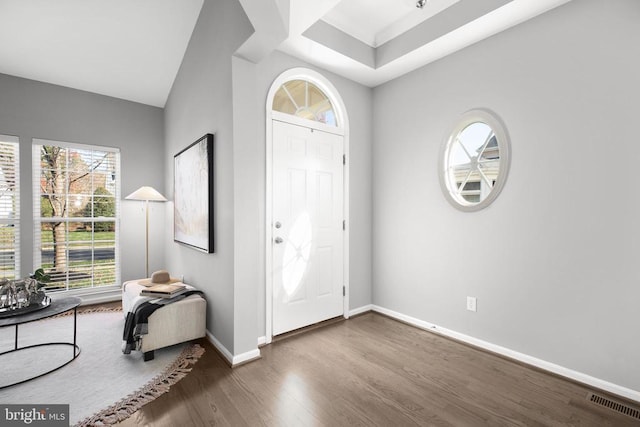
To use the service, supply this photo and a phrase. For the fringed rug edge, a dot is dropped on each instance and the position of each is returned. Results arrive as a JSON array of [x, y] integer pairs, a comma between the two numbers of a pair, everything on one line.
[[155, 388]]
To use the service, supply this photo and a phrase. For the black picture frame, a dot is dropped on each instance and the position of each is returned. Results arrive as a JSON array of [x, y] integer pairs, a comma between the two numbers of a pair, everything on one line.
[[193, 195]]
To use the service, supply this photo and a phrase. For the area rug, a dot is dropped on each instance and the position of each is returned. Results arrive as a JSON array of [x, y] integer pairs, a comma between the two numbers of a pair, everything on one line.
[[102, 386]]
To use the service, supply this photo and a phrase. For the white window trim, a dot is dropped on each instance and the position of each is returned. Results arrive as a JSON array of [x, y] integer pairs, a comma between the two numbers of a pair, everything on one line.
[[17, 220], [288, 118], [504, 144], [94, 294]]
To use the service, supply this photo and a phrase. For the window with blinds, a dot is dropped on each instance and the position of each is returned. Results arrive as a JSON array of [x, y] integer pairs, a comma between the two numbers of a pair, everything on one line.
[[76, 211], [9, 207]]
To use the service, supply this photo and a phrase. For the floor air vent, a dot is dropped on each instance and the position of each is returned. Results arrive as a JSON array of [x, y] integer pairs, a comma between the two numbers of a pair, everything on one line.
[[621, 408]]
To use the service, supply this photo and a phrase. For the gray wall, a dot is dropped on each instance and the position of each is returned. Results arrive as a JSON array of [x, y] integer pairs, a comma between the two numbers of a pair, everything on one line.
[[30, 109], [200, 102], [249, 163], [553, 261]]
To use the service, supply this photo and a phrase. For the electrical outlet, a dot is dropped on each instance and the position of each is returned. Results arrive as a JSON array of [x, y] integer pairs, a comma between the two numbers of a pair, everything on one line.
[[471, 304]]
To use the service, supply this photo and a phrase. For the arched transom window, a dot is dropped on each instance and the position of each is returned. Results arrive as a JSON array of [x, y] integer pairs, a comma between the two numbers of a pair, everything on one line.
[[304, 99]]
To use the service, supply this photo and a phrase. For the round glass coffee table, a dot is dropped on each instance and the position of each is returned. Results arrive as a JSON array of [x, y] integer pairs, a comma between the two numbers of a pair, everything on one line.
[[57, 306]]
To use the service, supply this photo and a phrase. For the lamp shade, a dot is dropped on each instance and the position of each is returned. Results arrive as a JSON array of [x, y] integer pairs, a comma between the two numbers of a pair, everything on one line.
[[146, 193]]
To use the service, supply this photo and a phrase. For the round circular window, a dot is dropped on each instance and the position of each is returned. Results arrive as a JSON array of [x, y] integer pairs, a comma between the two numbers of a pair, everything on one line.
[[474, 161]]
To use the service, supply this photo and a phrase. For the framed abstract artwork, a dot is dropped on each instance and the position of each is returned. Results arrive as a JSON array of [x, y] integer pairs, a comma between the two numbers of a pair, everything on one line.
[[193, 195]]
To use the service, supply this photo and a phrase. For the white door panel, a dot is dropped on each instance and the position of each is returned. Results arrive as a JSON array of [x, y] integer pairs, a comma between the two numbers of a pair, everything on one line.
[[307, 226]]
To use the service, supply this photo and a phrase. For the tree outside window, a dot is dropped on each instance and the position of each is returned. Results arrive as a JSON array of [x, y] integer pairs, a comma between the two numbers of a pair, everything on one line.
[[78, 210]]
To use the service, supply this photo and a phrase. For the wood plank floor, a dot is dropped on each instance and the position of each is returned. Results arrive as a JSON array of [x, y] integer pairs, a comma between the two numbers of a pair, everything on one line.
[[372, 371]]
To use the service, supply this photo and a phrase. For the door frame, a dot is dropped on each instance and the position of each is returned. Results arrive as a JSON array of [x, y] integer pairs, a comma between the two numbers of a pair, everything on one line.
[[343, 129]]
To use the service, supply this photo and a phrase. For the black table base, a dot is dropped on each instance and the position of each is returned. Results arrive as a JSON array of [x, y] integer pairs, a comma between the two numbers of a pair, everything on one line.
[[62, 306]]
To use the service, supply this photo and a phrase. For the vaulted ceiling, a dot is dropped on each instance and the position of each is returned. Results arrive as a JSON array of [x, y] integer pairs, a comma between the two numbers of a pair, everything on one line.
[[133, 50], [121, 48]]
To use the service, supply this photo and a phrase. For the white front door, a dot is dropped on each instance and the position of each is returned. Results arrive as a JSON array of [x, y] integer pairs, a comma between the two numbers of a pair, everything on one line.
[[307, 232]]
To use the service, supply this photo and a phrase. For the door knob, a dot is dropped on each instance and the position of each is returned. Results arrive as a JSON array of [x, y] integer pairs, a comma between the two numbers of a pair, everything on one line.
[[278, 224], [278, 240]]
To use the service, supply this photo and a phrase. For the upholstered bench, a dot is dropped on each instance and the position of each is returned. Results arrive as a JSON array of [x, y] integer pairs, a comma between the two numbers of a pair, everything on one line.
[[174, 323]]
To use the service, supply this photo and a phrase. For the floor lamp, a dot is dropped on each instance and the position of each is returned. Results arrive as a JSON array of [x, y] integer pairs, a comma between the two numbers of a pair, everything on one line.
[[146, 194]]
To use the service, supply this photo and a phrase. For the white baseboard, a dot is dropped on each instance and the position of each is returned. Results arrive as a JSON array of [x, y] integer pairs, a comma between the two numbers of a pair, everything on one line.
[[246, 357], [262, 340], [521, 357], [222, 349], [360, 310], [230, 358], [90, 296], [100, 297]]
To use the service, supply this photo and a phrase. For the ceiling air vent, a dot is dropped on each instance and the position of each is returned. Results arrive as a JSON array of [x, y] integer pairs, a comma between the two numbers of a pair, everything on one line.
[[621, 408]]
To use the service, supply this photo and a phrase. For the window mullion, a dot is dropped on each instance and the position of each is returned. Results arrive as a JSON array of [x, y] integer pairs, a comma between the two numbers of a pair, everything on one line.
[[295, 104], [464, 182]]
